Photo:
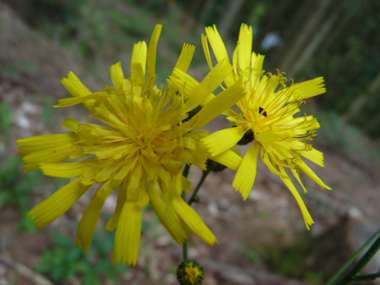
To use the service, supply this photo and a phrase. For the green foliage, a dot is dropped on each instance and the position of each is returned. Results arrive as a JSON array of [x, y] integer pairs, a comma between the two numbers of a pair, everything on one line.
[[61, 17], [287, 260], [16, 186], [260, 11], [10, 69], [16, 189], [26, 224], [108, 30], [251, 255], [134, 25], [48, 112], [64, 261], [314, 277], [27, 66], [336, 134], [6, 116]]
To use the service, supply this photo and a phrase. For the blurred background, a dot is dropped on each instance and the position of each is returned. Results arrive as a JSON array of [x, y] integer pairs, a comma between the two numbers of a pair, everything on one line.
[[262, 240]]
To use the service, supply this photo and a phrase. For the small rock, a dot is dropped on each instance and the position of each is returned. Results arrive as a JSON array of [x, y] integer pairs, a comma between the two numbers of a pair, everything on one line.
[[163, 241], [255, 195], [29, 108], [171, 278], [23, 122], [224, 204], [355, 213], [213, 208]]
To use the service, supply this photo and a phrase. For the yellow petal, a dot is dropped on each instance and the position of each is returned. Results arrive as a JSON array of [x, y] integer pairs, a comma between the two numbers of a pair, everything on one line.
[[266, 137], [192, 219], [219, 50], [127, 237], [41, 143], [51, 155], [187, 86], [117, 75], [228, 158], [58, 203], [167, 215], [77, 88], [235, 61], [64, 170], [112, 223], [305, 213], [185, 57], [206, 51], [217, 44], [217, 105], [296, 175], [223, 140], [151, 64], [71, 124], [246, 175], [302, 166], [212, 80], [74, 101], [257, 68], [245, 46], [269, 162], [88, 222], [137, 73], [315, 156], [139, 56], [310, 88], [186, 184], [183, 83], [90, 216]]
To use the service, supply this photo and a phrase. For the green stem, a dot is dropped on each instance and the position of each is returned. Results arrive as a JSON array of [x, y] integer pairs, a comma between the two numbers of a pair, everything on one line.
[[371, 276], [350, 276], [184, 251], [193, 197], [185, 173], [186, 170]]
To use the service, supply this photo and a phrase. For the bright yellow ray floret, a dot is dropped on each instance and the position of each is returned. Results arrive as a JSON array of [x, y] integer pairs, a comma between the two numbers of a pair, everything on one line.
[[140, 151], [266, 116]]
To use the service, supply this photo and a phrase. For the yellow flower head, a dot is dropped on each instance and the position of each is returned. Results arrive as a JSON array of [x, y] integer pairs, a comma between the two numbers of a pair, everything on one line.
[[267, 117], [141, 151]]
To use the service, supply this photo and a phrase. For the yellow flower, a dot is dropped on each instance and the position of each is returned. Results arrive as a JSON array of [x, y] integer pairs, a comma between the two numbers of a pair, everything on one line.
[[267, 117], [141, 152]]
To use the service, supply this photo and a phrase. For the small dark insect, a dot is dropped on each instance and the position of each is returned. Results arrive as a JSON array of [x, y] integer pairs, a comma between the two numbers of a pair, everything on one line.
[[264, 113]]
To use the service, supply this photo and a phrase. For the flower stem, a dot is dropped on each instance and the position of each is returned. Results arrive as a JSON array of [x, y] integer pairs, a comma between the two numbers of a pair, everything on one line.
[[193, 197], [186, 170], [185, 173], [352, 274], [184, 251], [372, 276]]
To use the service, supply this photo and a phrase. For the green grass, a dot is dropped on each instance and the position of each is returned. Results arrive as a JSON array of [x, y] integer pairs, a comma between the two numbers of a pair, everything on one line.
[[6, 117], [17, 188], [63, 260]]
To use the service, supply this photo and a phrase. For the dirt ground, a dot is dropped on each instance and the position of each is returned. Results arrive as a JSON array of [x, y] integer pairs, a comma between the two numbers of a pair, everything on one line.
[[270, 218]]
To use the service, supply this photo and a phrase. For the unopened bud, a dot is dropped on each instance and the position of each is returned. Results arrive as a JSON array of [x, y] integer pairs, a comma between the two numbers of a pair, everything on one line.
[[189, 273]]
